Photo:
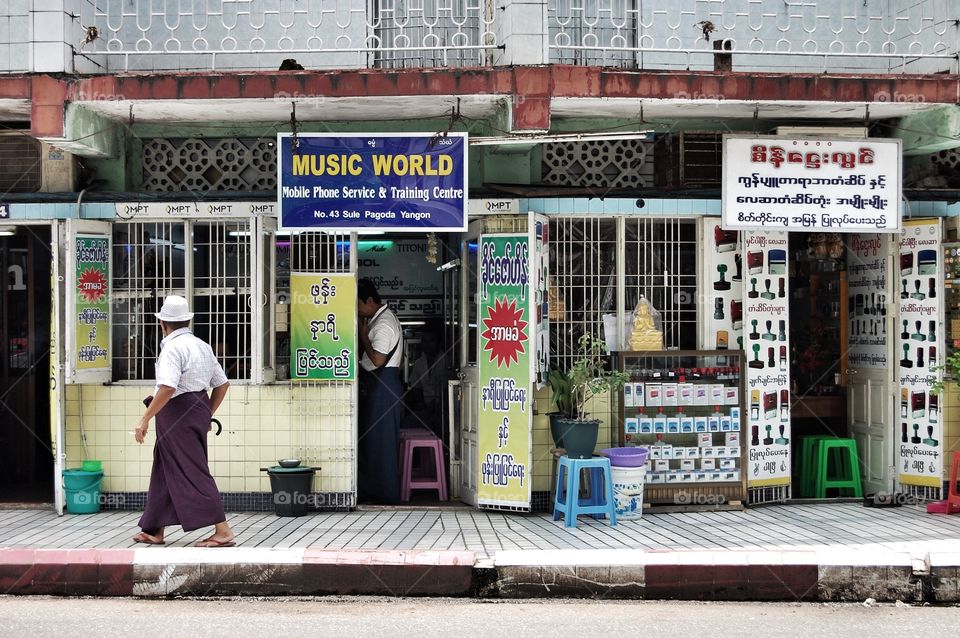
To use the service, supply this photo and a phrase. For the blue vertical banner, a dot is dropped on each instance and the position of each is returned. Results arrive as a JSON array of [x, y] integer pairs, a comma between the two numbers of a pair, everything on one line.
[[386, 182]]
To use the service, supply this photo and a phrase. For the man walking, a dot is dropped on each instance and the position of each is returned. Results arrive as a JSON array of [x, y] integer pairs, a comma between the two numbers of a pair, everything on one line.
[[182, 491]]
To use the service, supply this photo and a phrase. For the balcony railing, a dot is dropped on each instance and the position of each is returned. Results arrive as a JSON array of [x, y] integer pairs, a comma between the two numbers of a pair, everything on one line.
[[134, 35], [854, 36]]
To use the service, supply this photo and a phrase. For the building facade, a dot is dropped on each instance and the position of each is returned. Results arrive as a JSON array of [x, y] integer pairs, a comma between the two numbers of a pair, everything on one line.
[[596, 136]]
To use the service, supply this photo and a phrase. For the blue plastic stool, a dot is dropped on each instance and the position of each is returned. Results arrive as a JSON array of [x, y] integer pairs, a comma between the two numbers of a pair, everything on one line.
[[567, 501]]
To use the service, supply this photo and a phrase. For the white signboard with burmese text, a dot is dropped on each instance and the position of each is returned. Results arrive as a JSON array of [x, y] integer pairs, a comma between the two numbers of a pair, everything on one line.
[[920, 428], [766, 341], [811, 184]]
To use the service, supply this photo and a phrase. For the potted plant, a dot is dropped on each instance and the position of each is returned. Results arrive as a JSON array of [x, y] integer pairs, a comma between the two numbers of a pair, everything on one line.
[[560, 384], [951, 370], [586, 378]]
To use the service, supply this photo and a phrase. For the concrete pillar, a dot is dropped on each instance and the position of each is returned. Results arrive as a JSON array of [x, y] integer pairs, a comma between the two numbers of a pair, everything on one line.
[[521, 28], [50, 22]]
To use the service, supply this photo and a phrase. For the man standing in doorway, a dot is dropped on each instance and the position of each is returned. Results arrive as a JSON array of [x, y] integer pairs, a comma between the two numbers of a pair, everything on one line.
[[182, 491], [381, 338]]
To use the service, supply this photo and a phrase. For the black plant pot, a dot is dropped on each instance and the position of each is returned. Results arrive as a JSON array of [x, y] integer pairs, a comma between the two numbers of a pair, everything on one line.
[[579, 436], [555, 428]]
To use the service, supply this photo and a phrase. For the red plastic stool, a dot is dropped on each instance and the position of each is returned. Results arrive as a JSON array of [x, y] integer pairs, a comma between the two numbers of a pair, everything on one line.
[[952, 504], [409, 482]]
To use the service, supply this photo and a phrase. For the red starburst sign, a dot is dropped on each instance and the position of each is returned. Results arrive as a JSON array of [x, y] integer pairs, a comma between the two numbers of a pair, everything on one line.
[[504, 332], [92, 285]]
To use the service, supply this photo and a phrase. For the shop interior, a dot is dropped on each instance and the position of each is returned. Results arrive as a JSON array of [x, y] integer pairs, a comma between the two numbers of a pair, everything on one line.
[[418, 276], [818, 336], [26, 456]]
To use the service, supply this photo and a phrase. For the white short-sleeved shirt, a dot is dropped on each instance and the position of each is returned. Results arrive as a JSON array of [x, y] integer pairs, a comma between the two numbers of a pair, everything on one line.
[[187, 363], [385, 331]]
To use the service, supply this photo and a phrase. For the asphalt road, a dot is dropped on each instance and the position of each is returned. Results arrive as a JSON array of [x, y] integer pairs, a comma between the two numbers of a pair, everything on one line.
[[419, 618]]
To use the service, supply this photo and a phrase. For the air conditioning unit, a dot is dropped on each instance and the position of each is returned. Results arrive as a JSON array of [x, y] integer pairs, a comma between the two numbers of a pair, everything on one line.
[[28, 165]]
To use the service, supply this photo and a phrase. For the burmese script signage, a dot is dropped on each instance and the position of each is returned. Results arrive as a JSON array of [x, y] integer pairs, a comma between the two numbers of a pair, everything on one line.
[[504, 361], [808, 184], [323, 311], [92, 303]]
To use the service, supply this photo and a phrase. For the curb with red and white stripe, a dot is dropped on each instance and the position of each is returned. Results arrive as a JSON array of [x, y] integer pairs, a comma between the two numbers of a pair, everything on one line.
[[190, 571], [824, 574]]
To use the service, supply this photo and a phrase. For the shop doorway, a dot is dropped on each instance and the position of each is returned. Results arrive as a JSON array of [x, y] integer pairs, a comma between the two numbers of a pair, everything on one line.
[[417, 276], [818, 335], [840, 378], [26, 457]]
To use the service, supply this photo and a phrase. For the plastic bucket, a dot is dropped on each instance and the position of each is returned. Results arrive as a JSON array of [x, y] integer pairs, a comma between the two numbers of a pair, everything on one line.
[[628, 491], [82, 491], [92, 465], [291, 490]]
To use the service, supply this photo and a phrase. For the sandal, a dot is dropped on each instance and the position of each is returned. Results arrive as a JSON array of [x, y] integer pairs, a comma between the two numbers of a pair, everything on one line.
[[147, 539], [212, 542]]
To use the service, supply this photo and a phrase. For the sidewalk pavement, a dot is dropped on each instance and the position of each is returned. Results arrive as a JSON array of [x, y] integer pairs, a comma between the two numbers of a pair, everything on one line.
[[808, 552]]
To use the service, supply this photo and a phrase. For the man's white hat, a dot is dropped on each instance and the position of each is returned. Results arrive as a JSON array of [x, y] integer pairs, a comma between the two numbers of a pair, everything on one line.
[[174, 309]]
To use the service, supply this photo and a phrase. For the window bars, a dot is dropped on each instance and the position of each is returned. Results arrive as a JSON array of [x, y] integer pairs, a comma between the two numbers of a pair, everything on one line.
[[654, 257], [207, 262]]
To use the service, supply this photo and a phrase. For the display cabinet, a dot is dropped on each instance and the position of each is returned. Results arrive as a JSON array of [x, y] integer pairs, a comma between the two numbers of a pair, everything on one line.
[[689, 409]]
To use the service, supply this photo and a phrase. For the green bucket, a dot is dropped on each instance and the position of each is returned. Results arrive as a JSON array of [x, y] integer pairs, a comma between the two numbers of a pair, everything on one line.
[[91, 465], [83, 490]]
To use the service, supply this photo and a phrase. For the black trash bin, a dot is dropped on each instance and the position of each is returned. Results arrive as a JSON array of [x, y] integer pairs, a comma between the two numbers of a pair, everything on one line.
[[291, 487]]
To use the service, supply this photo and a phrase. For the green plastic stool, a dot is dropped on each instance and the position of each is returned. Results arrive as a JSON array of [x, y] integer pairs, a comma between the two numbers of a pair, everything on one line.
[[846, 464], [808, 464]]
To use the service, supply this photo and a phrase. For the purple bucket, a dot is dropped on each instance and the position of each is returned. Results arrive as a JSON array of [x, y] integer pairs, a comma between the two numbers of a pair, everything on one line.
[[626, 456]]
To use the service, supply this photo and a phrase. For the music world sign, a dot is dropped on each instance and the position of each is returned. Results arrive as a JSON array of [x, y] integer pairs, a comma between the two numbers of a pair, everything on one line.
[[353, 182]]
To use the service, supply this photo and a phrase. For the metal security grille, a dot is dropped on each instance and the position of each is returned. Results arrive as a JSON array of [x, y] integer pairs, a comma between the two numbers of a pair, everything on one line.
[[923, 493], [202, 165], [600, 264], [331, 402], [601, 164], [221, 293], [208, 263], [768, 495], [593, 32], [660, 263], [445, 28]]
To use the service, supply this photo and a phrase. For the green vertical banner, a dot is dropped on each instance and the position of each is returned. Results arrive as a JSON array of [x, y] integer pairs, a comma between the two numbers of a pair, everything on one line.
[[323, 316], [504, 361], [92, 318]]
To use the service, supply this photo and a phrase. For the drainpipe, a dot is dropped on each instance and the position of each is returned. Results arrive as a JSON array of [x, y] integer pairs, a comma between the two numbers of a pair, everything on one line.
[[80, 199]]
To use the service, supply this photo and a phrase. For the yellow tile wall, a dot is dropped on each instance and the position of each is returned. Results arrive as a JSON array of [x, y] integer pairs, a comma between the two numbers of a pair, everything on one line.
[[597, 408], [261, 424]]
